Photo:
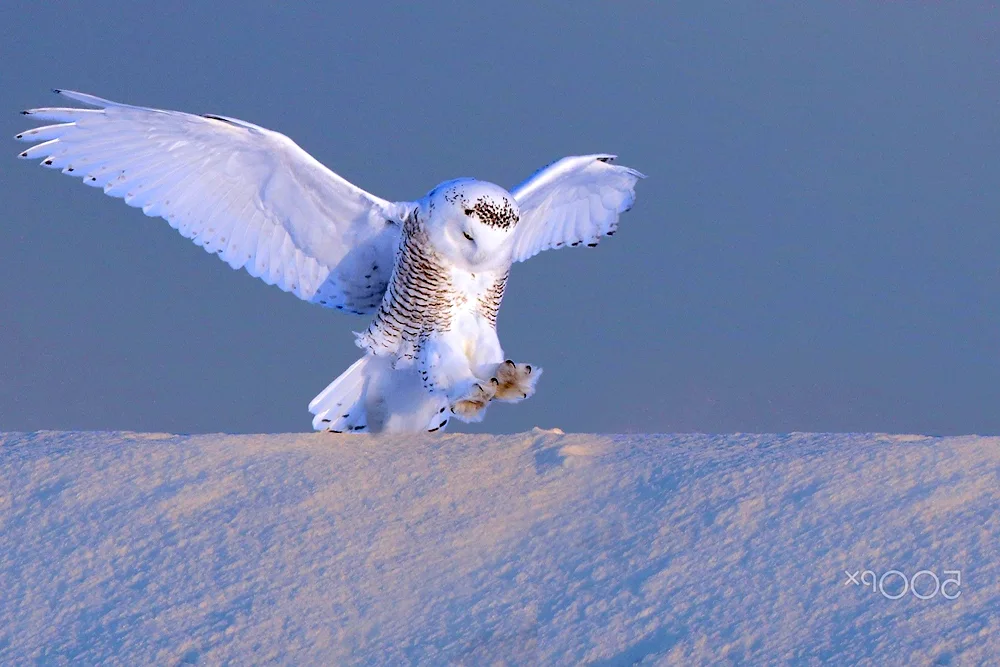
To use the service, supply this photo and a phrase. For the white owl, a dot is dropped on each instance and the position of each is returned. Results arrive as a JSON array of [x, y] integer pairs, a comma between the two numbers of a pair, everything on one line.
[[432, 271]]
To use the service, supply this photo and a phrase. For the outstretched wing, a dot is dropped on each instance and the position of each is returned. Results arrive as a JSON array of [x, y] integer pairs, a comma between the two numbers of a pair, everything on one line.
[[243, 192], [573, 201]]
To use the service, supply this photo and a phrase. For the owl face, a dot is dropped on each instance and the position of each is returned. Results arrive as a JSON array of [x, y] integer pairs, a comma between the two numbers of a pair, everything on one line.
[[470, 221]]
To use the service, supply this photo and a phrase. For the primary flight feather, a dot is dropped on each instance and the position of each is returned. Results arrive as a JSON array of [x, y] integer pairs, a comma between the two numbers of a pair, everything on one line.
[[432, 271]]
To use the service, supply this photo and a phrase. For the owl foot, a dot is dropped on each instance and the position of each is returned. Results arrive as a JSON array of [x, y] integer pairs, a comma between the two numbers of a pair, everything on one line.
[[472, 406], [515, 382]]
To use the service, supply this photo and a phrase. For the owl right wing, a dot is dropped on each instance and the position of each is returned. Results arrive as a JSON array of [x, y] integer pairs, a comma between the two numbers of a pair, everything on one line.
[[245, 193], [573, 201]]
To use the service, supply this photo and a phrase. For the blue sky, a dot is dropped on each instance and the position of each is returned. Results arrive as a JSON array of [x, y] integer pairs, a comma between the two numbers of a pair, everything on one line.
[[816, 248]]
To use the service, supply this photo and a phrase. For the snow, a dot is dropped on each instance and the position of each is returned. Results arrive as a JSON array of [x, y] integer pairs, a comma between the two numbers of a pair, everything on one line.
[[536, 548]]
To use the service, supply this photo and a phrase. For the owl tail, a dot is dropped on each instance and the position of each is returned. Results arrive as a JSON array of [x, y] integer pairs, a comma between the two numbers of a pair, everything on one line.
[[372, 397], [341, 406]]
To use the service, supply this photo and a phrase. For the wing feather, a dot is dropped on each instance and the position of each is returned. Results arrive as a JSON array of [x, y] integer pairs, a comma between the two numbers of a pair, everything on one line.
[[571, 202], [240, 191], [45, 132]]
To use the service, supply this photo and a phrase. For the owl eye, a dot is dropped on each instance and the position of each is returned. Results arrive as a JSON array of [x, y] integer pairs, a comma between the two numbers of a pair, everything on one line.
[[466, 235], [469, 211]]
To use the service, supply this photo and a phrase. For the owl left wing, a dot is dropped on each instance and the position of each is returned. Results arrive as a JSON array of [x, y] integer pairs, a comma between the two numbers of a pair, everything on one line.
[[573, 201], [243, 192]]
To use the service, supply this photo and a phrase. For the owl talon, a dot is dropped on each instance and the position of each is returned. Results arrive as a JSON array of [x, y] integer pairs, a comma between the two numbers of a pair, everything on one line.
[[516, 381], [472, 406]]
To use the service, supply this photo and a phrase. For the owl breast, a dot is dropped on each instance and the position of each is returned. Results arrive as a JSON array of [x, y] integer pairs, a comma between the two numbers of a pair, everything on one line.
[[481, 292], [425, 295]]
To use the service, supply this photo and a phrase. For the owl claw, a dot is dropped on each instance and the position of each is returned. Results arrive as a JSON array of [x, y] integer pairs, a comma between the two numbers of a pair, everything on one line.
[[516, 382], [472, 406]]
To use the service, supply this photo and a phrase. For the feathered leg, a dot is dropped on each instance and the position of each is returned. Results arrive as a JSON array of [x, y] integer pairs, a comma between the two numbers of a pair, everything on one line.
[[445, 369]]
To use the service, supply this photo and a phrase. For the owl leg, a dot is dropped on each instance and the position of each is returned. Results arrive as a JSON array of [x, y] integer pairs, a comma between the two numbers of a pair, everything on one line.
[[445, 369], [515, 382], [471, 407]]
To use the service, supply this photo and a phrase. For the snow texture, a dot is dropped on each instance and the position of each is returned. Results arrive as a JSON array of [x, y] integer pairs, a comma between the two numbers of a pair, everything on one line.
[[537, 548]]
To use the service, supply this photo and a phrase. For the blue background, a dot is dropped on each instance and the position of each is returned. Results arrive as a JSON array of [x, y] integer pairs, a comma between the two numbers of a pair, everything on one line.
[[816, 246]]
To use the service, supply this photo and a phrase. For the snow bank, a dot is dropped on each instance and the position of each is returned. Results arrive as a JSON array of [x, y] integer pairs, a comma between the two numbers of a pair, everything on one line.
[[536, 548]]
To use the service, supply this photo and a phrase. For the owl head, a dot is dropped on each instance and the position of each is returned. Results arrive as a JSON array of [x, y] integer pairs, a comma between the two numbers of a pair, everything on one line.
[[469, 221]]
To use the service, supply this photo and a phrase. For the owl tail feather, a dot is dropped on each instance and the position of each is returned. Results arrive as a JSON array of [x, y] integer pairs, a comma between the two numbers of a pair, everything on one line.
[[373, 397], [341, 406]]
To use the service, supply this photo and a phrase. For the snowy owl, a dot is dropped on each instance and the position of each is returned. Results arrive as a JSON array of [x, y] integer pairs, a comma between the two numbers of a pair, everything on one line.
[[432, 271]]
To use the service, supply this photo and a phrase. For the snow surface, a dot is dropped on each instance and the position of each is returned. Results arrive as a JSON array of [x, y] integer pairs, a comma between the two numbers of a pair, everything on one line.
[[537, 548]]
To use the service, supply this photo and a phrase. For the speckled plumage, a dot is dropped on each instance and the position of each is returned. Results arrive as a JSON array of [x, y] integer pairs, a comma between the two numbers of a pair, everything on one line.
[[419, 299], [489, 300], [501, 214]]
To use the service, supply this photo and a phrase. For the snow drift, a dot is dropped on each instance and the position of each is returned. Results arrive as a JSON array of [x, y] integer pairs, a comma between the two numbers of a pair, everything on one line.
[[538, 548]]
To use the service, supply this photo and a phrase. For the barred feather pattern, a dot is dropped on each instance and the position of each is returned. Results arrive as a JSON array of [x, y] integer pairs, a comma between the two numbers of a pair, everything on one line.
[[489, 301], [419, 300]]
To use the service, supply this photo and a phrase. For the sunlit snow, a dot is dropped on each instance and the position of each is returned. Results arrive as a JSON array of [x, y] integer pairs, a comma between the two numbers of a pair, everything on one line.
[[538, 548]]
